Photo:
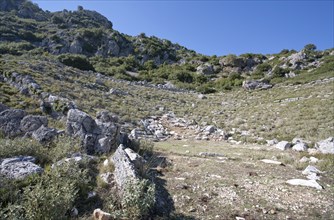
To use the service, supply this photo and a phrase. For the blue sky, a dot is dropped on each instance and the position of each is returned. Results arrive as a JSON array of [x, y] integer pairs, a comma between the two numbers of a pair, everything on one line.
[[219, 27]]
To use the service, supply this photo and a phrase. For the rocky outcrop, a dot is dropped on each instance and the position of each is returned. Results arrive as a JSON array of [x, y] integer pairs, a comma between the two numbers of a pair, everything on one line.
[[19, 167], [256, 84], [205, 69], [97, 136], [326, 146], [24, 83]]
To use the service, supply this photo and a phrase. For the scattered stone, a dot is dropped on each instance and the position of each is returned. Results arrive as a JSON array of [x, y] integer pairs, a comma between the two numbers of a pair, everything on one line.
[[304, 159], [311, 169], [272, 162], [98, 214], [118, 92], [326, 146], [210, 129], [283, 145], [313, 151], [207, 154], [297, 140], [302, 182], [76, 157], [300, 147], [19, 167], [272, 142], [314, 160], [256, 84], [201, 96]]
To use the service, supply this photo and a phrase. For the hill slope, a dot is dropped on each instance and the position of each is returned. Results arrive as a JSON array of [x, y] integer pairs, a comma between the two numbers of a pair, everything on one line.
[[198, 155]]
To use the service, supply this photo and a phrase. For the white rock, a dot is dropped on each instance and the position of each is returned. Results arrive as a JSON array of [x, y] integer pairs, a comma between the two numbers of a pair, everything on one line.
[[326, 146], [304, 159], [272, 142], [271, 161], [314, 160], [106, 162], [300, 147], [313, 176], [283, 145], [311, 169], [302, 182]]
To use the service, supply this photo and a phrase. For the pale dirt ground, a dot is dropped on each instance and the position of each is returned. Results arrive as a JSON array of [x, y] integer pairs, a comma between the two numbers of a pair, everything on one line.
[[239, 184]]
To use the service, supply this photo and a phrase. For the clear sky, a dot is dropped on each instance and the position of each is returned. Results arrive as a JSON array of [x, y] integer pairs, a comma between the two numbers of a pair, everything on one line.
[[219, 27]]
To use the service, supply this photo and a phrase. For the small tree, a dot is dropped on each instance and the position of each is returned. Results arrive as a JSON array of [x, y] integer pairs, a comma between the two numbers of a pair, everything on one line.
[[310, 47], [80, 8]]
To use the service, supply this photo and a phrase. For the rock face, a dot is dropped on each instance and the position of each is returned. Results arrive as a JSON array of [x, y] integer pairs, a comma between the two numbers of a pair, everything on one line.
[[19, 167], [125, 169], [97, 136], [256, 84], [283, 145], [326, 146], [10, 122]]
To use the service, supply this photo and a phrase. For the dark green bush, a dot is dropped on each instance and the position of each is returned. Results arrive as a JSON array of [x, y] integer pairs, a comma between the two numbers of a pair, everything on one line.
[[279, 72], [77, 61]]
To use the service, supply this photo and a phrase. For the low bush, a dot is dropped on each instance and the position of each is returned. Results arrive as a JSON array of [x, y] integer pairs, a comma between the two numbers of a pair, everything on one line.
[[77, 61]]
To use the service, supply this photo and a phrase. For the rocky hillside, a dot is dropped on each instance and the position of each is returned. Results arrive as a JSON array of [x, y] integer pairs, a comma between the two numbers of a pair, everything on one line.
[[86, 39], [92, 119]]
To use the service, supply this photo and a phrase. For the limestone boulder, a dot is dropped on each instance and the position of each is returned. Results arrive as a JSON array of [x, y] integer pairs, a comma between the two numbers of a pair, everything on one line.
[[19, 167], [10, 122]]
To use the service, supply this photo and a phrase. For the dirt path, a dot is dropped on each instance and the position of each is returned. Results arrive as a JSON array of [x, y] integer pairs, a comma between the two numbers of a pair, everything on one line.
[[238, 184]]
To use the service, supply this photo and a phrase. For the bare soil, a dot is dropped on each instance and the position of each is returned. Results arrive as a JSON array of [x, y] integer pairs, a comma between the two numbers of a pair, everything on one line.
[[238, 184]]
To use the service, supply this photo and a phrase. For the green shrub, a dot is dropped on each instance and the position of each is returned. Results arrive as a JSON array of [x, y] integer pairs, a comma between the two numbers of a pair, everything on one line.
[[52, 197], [279, 72], [77, 61], [263, 67], [138, 199]]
